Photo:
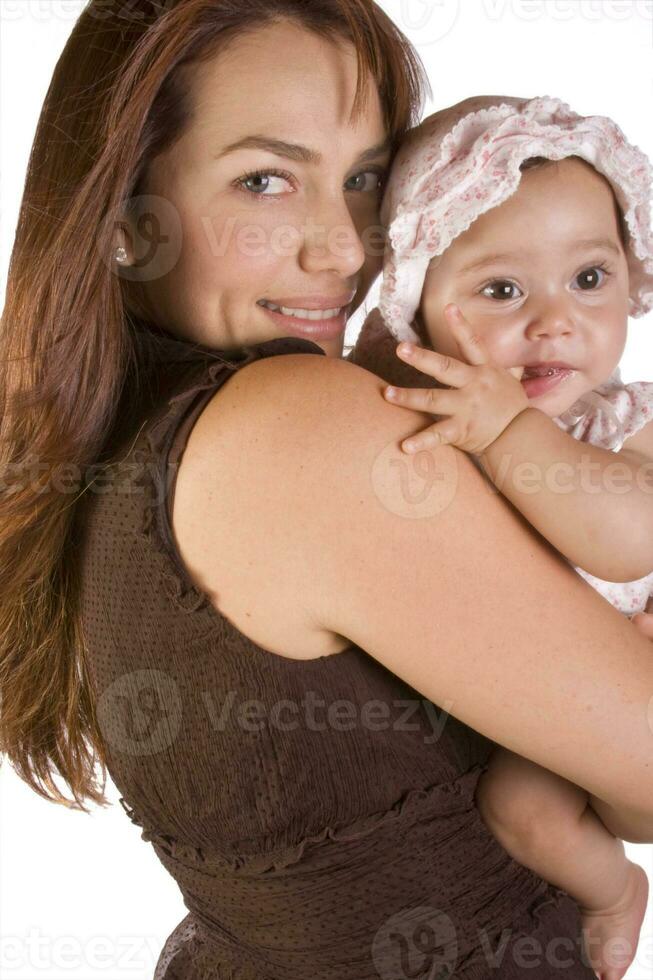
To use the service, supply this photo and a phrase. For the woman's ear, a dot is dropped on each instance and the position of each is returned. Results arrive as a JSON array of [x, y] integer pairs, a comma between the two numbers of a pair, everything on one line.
[[123, 247]]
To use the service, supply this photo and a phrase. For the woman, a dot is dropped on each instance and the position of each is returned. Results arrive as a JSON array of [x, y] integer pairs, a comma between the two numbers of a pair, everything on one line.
[[201, 636]]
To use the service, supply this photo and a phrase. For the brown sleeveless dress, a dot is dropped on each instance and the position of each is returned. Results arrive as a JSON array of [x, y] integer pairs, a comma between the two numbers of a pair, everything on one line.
[[318, 816]]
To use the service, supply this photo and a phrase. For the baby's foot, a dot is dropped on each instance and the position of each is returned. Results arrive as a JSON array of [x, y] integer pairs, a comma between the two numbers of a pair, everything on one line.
[[611, 935]]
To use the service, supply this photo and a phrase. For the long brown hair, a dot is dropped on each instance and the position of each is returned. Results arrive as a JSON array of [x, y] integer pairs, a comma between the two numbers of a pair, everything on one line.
[[116, 100]]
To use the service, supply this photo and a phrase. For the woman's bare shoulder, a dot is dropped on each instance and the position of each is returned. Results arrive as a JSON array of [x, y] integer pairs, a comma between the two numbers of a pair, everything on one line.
[[420, 562], [230, 503]]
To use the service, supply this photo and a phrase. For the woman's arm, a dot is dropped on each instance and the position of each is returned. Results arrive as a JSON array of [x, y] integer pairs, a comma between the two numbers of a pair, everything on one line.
[[636, 828], [427, 568], [593, 505]]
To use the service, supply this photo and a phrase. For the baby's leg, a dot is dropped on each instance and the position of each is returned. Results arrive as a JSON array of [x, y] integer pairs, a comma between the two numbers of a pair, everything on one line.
[[545, 823]]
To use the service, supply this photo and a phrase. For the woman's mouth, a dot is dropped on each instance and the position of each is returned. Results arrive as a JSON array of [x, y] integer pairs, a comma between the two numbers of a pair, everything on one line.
[[313, 324]]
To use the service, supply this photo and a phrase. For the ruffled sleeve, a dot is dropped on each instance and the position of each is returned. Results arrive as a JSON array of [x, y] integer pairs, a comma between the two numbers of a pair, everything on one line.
[[610, 414]]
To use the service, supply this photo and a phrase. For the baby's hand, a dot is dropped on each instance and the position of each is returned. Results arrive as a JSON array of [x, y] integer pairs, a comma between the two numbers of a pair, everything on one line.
[[483, 398]]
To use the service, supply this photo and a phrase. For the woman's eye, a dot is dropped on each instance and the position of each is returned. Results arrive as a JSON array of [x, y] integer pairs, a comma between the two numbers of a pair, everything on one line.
[[499, 289], [592, 277], [375, 185], [258, 181], [267, 183]]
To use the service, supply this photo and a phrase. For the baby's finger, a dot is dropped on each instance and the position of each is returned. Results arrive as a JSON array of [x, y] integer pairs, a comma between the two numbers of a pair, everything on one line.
[[470, 344], [437, 401], [439, 366], [440, 434], [517, 372]]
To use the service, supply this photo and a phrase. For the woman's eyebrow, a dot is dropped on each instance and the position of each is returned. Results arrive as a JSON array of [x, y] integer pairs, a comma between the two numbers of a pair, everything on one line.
[[294, 151]]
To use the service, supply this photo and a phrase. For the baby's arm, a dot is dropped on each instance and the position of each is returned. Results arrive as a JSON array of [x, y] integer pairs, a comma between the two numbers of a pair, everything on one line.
[[592, 504]]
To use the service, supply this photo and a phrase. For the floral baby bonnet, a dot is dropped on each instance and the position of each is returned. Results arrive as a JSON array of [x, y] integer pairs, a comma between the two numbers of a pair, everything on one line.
[[464, 160]]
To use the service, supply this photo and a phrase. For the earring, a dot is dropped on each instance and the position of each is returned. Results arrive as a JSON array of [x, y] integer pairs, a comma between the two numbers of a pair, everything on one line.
[[121, 254]]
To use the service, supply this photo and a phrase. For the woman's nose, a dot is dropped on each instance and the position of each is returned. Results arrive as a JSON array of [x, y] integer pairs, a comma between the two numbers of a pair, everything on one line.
[[331, 241]]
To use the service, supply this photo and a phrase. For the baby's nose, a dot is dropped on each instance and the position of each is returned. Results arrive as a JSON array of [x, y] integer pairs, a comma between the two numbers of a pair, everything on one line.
[[551, 321]]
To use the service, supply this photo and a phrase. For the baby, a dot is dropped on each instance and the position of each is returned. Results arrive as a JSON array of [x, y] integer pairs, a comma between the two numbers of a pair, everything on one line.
[[518, 243]]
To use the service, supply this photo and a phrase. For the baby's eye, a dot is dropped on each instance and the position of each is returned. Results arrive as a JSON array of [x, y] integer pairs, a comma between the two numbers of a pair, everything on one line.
[[499, 289], [592, 277]]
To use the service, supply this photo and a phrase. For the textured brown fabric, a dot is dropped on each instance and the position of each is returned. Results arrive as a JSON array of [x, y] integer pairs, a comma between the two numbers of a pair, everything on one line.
[[309, 841], [375, 349]]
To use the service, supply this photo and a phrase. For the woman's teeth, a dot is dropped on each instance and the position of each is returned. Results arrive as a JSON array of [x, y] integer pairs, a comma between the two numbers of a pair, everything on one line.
[[302, 314]]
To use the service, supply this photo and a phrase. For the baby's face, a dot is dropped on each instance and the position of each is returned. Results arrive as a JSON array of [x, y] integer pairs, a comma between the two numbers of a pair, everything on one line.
[[541, 278]]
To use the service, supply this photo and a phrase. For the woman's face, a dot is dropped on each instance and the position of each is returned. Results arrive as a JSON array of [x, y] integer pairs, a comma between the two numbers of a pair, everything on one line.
[[542, 277], [307, 238]]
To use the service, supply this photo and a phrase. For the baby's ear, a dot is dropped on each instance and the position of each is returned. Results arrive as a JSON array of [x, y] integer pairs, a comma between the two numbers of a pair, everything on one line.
[[375, 350]]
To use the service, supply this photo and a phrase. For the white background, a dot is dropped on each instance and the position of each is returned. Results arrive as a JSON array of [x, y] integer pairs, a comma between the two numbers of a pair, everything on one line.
[[82, 896]]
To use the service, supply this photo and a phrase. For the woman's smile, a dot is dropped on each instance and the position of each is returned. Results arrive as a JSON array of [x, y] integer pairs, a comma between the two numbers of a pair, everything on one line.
[[313, 324], [323, 317]]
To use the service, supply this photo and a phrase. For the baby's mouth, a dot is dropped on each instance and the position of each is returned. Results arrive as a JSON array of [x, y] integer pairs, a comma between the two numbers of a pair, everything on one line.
[[545, 369]]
